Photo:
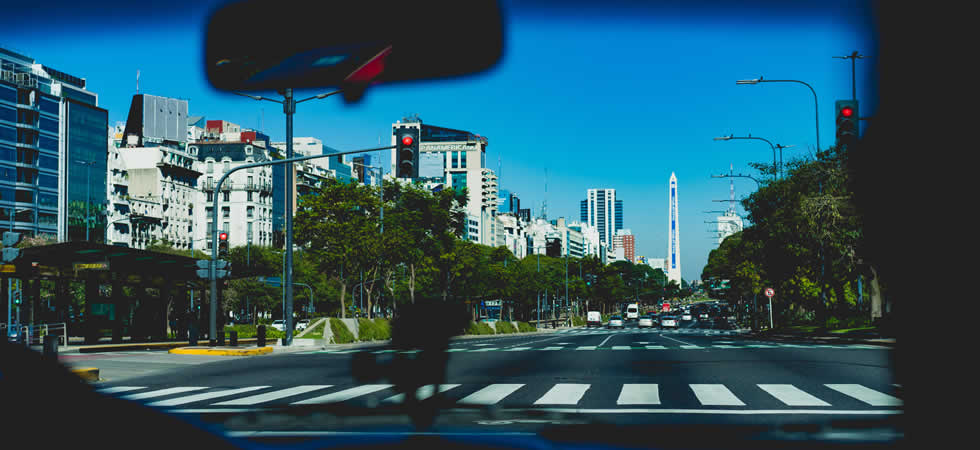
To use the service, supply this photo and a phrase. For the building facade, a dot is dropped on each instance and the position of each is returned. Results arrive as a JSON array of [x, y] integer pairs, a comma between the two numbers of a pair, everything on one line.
[[457, 159], [52, 151], [602, 210], [625, 240]]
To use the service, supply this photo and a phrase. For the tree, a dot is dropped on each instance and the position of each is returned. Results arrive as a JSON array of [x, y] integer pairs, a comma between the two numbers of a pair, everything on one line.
[[337, 223]]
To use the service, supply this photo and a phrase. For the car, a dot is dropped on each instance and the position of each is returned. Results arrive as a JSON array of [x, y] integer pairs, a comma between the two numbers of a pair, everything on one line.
[[593, 319], [668, 321], [302, 324], [686, 317], [645, 320], [279, 324], [615, 322]]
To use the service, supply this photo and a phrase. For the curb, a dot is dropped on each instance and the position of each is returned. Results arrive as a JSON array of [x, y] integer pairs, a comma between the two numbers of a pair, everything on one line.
[[138, 346], [86, 373], [221, 351]]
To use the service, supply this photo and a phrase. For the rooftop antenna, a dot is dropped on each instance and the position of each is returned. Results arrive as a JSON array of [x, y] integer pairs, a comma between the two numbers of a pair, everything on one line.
[[731, 191]]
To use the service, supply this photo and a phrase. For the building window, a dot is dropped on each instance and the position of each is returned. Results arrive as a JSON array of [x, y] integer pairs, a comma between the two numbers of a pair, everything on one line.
[[227, 165], [226, 196], [248, 149], [462, 161], [227, 227], [210, 166], [249, 195], [210, 196], [226, 212], [249, 212]]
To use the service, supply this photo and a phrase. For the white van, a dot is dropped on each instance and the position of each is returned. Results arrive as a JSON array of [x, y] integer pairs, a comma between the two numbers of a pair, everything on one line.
[[593, 318], [632, 311]]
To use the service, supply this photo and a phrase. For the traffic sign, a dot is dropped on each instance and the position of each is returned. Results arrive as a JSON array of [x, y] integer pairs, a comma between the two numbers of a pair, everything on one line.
[[666, 307], [770, 292]]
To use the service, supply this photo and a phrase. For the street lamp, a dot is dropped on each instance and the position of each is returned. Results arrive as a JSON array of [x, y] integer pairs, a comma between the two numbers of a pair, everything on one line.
[[815, 107], [289, 108], [773, 147]]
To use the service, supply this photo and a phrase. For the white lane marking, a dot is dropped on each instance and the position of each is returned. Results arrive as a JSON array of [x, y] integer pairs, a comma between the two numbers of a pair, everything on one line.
[[740, 412], [457, 350], [715, 395], [517, 349], [485, 349], [675, 340], [866, 395], [162, 392], [621, 347], [563, 394], [656, 347], [690, 347], [791, 395], [551, 348], [604, 341], [345, 394], [639, 394], [117, 389], [421, 393], [535, 341], [482, 344], [586, 347], [204, 396], [274, 395], [491, 394]]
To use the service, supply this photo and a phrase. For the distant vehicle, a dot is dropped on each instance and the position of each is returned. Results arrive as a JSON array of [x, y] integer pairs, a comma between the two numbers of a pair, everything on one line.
[[302, 324], [615, 322], [593, 319], [645, 321], [686, 316], [279, 325], [632, 311], [668, 321]]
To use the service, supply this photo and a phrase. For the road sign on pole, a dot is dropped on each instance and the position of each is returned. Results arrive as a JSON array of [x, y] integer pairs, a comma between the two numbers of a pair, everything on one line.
[[666, 307], [770, 292]]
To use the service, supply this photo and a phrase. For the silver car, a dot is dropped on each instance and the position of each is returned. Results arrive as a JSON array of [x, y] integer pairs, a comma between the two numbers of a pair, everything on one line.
[[645, 321], [615, 322], [668, 321]]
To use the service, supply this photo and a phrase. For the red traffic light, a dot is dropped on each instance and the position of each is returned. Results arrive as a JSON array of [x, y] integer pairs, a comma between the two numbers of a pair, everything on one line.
[[223, 236], [407, 140], [847, 112]]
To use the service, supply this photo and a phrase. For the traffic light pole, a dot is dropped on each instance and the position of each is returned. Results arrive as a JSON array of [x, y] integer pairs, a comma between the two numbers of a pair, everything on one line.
[[214, 229]]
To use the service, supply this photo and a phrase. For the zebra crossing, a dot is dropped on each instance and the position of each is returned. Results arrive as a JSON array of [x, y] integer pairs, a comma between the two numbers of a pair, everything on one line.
[[685, 331], [842, 396], [643, 346]]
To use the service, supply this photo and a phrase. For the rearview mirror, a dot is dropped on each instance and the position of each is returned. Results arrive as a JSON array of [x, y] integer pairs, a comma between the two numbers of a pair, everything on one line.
[[263, 45]]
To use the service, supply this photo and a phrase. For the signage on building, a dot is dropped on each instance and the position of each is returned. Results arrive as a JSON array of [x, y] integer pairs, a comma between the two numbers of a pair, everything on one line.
[[493, 302], [441, 147], [104, 265]]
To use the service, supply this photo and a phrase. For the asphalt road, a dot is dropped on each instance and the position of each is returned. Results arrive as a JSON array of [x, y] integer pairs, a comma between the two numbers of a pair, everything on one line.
[[520, 383]]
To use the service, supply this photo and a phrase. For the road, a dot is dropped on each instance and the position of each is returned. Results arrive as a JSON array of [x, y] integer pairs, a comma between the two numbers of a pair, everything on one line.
[[683, 376]]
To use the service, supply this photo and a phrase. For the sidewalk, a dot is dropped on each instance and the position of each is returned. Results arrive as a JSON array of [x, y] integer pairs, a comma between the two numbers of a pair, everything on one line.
[[855, 337]]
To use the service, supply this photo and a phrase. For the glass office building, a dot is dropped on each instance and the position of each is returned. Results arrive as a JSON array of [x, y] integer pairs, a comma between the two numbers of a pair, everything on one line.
[[53, 147]]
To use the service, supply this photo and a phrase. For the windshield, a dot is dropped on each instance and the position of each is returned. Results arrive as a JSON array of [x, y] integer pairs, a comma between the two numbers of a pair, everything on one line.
[[621, 161]]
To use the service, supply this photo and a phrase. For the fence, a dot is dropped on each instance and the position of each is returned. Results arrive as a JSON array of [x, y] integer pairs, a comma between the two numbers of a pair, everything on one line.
[[35, 333]]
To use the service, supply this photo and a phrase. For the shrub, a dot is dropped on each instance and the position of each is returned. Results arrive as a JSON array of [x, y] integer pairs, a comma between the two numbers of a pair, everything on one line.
[[341, 335], [479, 328], [525, 327], [373, 330], [504, 327], [578, 321], [251, 331], [383, 329]]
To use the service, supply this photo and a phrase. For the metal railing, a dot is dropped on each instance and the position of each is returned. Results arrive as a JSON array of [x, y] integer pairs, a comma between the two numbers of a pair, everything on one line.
[[34, 334]]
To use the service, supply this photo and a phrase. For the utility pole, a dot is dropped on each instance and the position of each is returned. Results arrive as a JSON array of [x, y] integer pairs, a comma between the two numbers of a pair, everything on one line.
[[854, 56]]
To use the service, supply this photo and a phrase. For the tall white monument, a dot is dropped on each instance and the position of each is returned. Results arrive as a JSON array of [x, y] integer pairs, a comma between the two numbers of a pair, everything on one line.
[[673, 234]]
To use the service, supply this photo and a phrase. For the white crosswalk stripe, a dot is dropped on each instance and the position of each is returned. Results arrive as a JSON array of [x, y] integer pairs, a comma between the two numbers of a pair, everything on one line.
[[791, 395], [163, 392], [345, 394], [866, 395], [274, 395], [491, 394], [118, 389], [639, 394], [421, 393], [715, 395], [563, 394]]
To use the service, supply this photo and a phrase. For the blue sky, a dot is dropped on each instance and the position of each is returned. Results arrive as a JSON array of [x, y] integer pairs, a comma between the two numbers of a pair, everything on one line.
[[600, 100]]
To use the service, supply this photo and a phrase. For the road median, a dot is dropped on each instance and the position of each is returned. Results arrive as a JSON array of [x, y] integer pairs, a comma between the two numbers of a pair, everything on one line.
[[86, 373], [222, 351]]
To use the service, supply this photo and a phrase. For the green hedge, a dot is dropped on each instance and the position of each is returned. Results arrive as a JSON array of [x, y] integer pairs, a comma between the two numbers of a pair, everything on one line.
[[504, 327], [479, 328], [373, 330], [341, 335], [578, 321], [249, 331], [525, 327]]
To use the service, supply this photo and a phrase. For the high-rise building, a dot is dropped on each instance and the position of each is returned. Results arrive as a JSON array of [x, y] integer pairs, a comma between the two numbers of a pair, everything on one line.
[[673, 233], [603, 211], [52, 151], [625, 240], [457, 159]]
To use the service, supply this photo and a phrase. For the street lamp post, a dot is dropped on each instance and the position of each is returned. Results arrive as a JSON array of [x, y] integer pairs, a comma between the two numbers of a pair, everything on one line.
[[773, 147], [815, 107], [289, 108]]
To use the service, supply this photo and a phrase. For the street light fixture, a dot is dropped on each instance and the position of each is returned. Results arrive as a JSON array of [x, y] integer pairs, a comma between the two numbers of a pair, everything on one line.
[[773, 147], [815, 105]]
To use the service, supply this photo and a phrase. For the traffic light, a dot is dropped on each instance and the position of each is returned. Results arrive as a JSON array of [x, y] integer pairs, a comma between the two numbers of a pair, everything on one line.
[[847, 122], [223, 244], [407, 149], [10, 239]]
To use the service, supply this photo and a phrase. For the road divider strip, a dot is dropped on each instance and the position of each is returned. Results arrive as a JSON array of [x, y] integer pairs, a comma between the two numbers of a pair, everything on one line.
[[86, 373], [221, 351]]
